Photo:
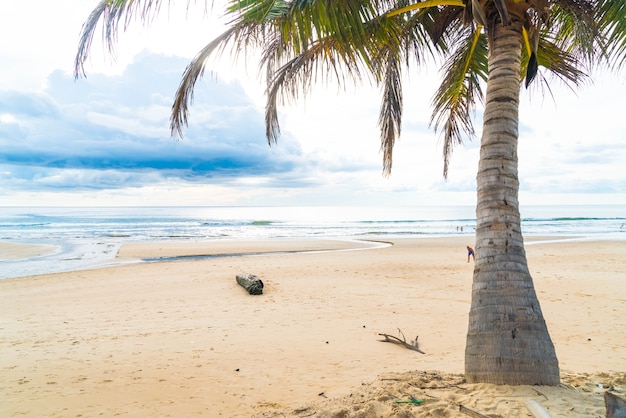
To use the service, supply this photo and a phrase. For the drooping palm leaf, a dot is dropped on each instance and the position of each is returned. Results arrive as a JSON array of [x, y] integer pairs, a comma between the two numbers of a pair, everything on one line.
[[419, 39], [259, 11], [406, 38], [297, 76], [460, 90], [390, 117], [380, 45], [237, 35], [113, 15], [574, 30], [611, 15], [564, 65], [294, 59], [86, 38]]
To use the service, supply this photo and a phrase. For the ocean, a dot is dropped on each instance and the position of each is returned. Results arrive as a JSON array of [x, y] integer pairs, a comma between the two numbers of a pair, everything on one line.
[[84, 237]]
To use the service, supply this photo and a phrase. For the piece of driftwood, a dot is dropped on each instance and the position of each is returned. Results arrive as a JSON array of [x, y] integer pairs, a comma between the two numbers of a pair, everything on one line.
[[411, 346], [536, 409], [251, 283], [615, 405], [471, 412]]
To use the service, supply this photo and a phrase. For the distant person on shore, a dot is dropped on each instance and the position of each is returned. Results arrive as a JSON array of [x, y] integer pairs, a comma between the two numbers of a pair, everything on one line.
[[470, 253]]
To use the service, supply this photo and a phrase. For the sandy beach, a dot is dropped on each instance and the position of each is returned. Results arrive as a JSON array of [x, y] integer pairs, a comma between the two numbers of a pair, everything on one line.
[[182, 338], [10, 251]]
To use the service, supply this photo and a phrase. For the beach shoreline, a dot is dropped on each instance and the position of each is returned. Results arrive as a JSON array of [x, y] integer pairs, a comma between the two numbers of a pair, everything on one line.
[[182, 338], [14, 251], [26, 259]]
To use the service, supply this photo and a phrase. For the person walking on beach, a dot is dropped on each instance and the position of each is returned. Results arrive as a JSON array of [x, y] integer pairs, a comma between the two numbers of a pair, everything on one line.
[[470, 253]]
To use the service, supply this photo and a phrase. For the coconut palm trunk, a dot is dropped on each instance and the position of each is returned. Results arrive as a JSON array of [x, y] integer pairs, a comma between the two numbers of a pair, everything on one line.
[[507, 339]]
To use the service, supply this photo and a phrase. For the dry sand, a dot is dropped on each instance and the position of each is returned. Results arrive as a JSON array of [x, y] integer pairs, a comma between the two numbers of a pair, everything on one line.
[[183, 339]]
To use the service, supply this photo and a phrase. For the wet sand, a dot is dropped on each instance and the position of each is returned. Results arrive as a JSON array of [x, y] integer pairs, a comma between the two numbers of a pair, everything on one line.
[[10, 251]]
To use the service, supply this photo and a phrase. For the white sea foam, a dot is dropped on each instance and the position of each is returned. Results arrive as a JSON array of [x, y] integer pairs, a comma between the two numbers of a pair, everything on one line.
[[89, 236]]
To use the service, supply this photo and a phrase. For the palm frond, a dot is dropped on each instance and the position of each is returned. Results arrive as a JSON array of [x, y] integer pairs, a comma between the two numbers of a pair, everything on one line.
[[444, 19], [258, 11], [86, 38], [423, 5], [113, 15], [564, 65], [407, 37], [459, 91], [418, 36], [325, 58], [611, 15], [238, 35], [253, 24], [390, 117], [574, 30], [378, 45], [294, 54], [302, 22]]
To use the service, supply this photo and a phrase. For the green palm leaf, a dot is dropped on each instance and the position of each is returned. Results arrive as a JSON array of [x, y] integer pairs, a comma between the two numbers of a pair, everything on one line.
[[611, 15], [297, 76], [390, 118], [459, 90], [240, 36]]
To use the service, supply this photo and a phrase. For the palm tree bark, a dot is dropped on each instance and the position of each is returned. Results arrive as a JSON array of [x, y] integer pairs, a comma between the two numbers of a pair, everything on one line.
[[507, 340]]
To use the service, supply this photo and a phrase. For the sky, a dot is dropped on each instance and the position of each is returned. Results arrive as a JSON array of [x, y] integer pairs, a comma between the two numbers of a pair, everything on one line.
[[104, 139]]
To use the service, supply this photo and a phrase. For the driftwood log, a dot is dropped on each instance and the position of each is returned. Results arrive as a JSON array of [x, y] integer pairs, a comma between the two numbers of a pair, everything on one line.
[[251, 283]]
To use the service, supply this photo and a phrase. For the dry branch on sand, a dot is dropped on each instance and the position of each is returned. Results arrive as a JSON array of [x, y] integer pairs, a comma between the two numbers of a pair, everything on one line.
[[392, 339]]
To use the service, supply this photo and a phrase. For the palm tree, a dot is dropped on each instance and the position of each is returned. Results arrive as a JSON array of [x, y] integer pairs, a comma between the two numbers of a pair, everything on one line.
[[497, 43]]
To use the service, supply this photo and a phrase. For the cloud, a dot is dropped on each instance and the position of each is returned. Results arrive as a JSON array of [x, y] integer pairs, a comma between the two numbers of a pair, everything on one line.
[[30, 105], [113, 131]]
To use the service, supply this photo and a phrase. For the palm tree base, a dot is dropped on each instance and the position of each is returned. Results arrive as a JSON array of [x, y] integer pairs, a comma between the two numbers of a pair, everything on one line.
[[516, 364]]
